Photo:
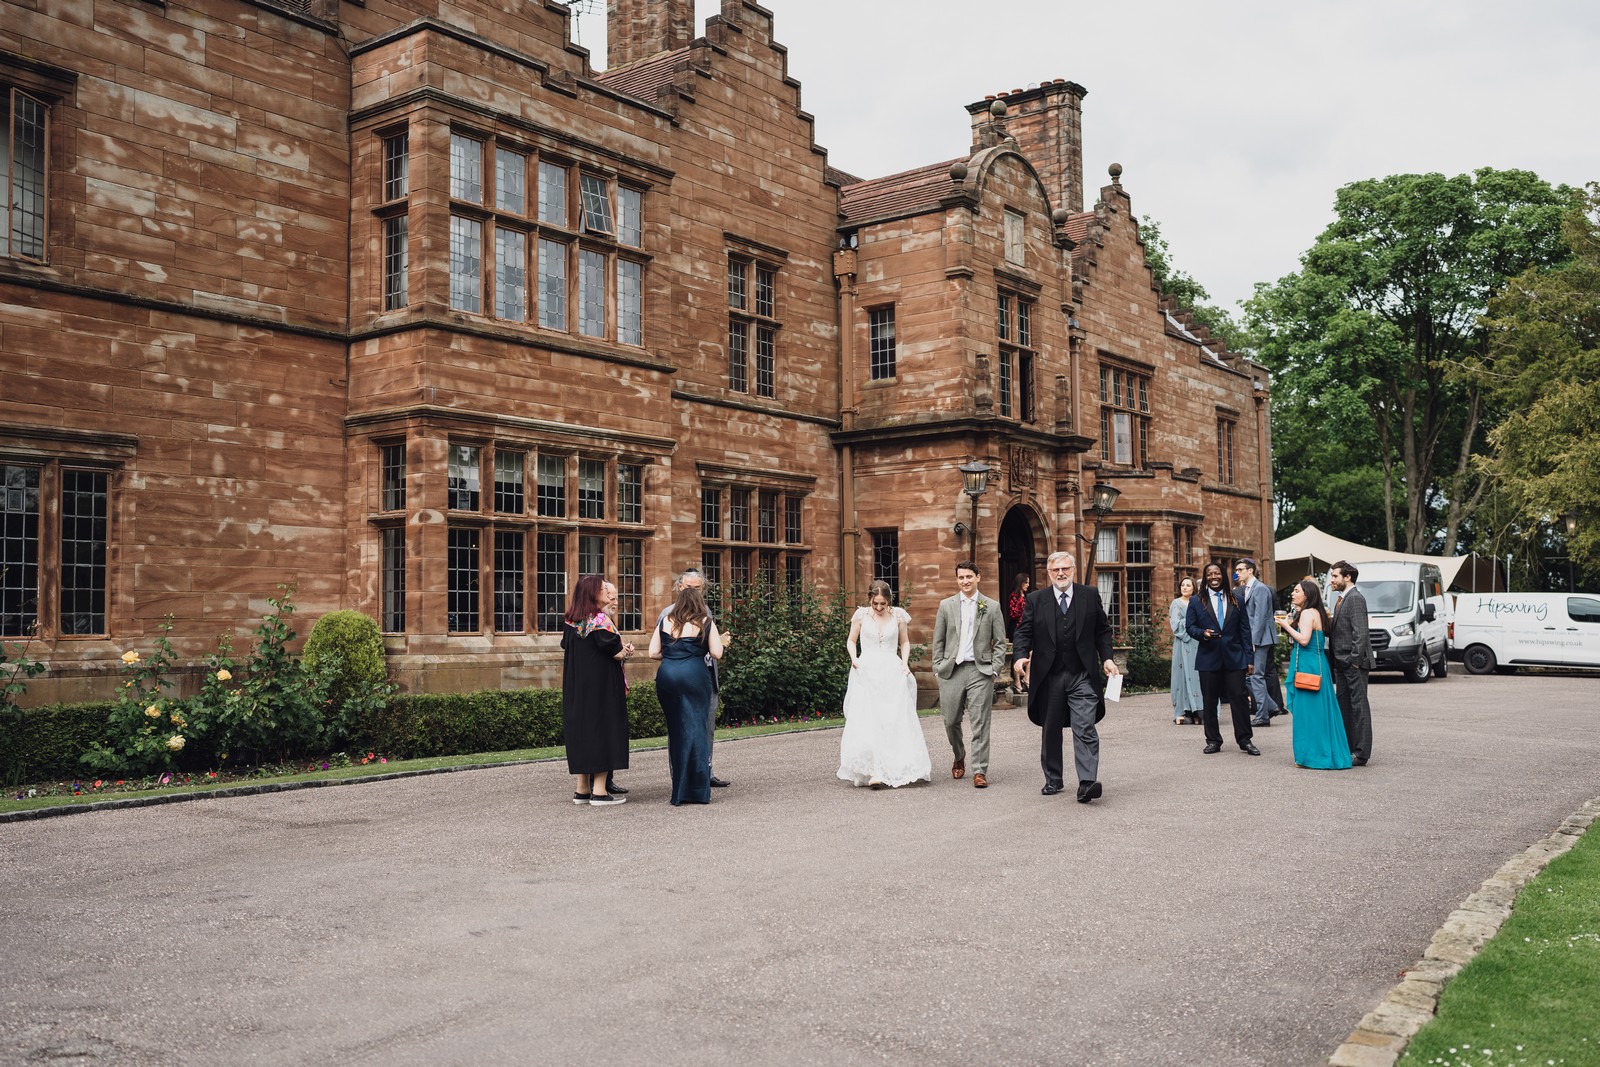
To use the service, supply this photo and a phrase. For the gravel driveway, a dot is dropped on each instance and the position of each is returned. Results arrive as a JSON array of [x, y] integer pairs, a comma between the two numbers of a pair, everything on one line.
[[1210, 910]]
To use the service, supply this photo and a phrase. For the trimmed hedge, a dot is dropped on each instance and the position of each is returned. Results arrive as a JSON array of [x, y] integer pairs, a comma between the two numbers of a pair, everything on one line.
[[47, 742], [37, 744]]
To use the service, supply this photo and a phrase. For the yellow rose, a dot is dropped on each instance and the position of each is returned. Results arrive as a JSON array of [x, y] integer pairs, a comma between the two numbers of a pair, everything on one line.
[[153, 711], [224, 675], [175, 742], [130, 657]]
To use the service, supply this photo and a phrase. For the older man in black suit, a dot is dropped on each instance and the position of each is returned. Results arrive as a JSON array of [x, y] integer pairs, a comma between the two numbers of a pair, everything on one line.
[[1218, 620], [1064, 642]]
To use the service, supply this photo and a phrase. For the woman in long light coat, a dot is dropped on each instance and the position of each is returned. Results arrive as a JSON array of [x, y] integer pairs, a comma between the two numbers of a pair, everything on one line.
[[1186, 701]]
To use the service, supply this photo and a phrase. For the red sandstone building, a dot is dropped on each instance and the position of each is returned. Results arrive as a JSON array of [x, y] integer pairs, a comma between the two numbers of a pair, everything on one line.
[[404, 303]]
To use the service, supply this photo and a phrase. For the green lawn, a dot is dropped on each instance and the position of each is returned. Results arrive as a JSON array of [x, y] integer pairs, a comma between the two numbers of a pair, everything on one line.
[[1531, 998], [9, 801]]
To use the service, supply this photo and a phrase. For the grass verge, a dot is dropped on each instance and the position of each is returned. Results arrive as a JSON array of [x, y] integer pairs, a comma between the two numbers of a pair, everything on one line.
[[10, 802], [1531, 997]]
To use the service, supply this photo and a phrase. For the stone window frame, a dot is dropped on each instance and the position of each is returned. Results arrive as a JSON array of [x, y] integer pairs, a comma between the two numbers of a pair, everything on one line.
[[886, 560], [1017, 354], [883, 346], [45, 86], [1227, 448], [621, 525], [52, 453], [596, 297], [755, 316], [765, 549], [1125, 392], [1125, 577]]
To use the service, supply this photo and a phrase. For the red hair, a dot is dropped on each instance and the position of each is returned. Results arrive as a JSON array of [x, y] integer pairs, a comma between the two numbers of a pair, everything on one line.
[[585, 601]]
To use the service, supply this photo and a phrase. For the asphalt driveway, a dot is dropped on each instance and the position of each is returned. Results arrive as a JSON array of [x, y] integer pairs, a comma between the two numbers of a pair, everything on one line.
[[1210, 910]]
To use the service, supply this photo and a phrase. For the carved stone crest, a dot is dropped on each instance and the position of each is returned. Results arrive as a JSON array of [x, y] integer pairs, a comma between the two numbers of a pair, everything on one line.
[[1024, 468]]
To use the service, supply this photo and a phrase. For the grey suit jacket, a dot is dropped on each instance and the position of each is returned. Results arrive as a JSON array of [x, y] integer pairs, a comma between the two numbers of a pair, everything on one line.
[[988, 636], [1350, 643], [1258, 606]]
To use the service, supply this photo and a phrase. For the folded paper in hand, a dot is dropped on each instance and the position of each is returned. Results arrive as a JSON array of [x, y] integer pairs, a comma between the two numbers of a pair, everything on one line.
[[1114, 687]]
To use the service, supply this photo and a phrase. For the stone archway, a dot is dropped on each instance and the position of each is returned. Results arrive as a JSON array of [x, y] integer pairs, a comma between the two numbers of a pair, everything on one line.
[[1020, 538]]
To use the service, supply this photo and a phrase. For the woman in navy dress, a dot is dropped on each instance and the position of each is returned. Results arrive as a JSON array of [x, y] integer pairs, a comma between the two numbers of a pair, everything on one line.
[[681, 642], [1319, 739]]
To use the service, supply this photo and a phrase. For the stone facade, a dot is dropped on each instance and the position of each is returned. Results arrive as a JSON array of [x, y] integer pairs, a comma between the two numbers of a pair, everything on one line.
[[406, 305]]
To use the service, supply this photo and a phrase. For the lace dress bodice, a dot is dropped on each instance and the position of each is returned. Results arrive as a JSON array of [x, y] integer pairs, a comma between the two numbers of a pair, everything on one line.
[[881, 637]]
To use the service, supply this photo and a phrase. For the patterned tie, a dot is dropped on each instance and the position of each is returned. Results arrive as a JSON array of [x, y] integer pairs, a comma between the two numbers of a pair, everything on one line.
[[1065, 600]]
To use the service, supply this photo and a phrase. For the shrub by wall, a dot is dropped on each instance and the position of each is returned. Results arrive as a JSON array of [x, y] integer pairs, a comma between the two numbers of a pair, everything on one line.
[[48, 742]]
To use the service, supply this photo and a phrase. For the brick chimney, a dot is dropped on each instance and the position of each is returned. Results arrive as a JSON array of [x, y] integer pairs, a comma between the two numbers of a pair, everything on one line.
[[639, 29], [1047, 123]]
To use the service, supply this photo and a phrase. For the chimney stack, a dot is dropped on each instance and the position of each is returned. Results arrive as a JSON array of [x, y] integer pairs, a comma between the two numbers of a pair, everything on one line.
[[1046, 121], [639, 29]]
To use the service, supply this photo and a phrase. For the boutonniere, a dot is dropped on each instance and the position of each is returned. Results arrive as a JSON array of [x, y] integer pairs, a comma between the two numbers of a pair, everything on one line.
[[983, 606]]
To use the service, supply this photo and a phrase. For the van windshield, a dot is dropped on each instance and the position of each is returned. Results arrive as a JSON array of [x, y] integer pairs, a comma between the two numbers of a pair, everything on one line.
[[1388, 598]]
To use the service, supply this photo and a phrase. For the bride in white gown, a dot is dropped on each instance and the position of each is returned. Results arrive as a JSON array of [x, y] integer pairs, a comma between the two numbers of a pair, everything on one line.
[[882, 743]]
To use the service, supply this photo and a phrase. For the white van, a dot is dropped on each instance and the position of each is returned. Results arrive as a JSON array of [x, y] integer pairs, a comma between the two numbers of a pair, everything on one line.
[[1408, 615], [1544, 629]]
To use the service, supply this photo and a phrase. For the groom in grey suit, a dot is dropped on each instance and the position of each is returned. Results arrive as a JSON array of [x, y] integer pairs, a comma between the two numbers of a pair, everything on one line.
[[969, 648], [1263, 638]]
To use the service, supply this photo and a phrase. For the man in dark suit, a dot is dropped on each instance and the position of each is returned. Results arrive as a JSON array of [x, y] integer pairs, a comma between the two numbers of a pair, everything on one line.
[[1350, 652], [1064, 642], [1218, 620]]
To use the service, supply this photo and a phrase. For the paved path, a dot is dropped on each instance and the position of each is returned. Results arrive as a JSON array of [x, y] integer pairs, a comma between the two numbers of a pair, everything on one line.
[[1217, 910]]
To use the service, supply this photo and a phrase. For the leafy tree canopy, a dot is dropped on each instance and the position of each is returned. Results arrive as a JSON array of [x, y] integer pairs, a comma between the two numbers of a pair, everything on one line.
[[1384, 322], [1543, 369]]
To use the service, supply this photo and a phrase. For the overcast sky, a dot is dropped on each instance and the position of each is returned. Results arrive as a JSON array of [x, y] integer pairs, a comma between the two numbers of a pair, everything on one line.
[[1234, 121]]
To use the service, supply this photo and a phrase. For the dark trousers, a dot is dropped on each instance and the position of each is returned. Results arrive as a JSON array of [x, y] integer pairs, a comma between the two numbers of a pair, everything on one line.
[[1215, 684], [1350, 684], [1071, 699], [1275, 685]]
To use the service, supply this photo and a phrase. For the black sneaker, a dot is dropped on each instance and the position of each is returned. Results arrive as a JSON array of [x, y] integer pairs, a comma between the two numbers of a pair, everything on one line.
[[615, 789], [602, 800], [581, 798]]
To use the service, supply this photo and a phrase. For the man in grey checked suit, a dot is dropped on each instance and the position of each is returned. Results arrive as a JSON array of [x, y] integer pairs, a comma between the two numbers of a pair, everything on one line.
[[1350, 652], [1263, 637], [969, 648]]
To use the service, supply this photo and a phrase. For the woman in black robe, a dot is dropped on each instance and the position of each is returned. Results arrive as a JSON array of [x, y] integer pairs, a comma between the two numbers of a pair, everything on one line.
[[594, 708]]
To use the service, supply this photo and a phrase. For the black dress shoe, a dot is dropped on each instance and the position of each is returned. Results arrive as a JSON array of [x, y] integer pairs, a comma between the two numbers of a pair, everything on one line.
[[718, 783], [1359, 761], [613, 787], [1260, 722], [1051, 790], [1212, 746], [1249, 749], [1088, 791]]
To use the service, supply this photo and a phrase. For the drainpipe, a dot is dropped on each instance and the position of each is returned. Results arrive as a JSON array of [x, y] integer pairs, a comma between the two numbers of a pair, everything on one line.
[[844, 275]]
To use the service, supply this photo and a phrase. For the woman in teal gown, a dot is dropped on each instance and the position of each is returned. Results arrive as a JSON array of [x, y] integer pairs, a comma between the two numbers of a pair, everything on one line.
[[1319, 739]]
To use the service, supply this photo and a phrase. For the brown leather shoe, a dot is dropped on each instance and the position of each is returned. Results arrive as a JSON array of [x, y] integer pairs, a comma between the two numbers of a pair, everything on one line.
[[980, 781], [958, 769]]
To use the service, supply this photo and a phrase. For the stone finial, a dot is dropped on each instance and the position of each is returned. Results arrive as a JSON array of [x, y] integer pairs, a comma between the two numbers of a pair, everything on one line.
[[998, 109], [1115, 170], [1060, 216]]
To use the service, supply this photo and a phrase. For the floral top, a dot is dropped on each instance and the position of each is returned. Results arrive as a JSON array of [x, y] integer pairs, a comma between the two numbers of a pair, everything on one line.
[[598, 621], [1016, 606]]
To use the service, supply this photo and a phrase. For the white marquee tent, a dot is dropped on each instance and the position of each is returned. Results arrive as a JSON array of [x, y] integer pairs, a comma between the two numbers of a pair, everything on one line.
[[1311, 552]]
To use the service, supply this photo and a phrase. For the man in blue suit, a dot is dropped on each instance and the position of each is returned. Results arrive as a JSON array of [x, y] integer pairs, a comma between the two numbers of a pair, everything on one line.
[[1263, 639], [1219, 621]]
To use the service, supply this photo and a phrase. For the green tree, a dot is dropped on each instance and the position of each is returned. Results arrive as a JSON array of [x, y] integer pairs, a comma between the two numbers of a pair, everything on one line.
[[1543, 369], [1181, 287], [1386, 310]]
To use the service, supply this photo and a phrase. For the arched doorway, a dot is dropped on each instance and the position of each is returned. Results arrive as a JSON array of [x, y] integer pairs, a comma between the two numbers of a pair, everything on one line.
[[1017, 552]]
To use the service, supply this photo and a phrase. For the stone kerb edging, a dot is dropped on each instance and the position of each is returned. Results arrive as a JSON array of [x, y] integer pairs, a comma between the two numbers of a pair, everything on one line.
[[1385, 1031]]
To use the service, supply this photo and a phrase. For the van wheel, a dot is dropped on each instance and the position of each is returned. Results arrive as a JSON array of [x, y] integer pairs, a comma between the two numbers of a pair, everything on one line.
[[1421, 670], [1442, 668], [1478, 659]]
